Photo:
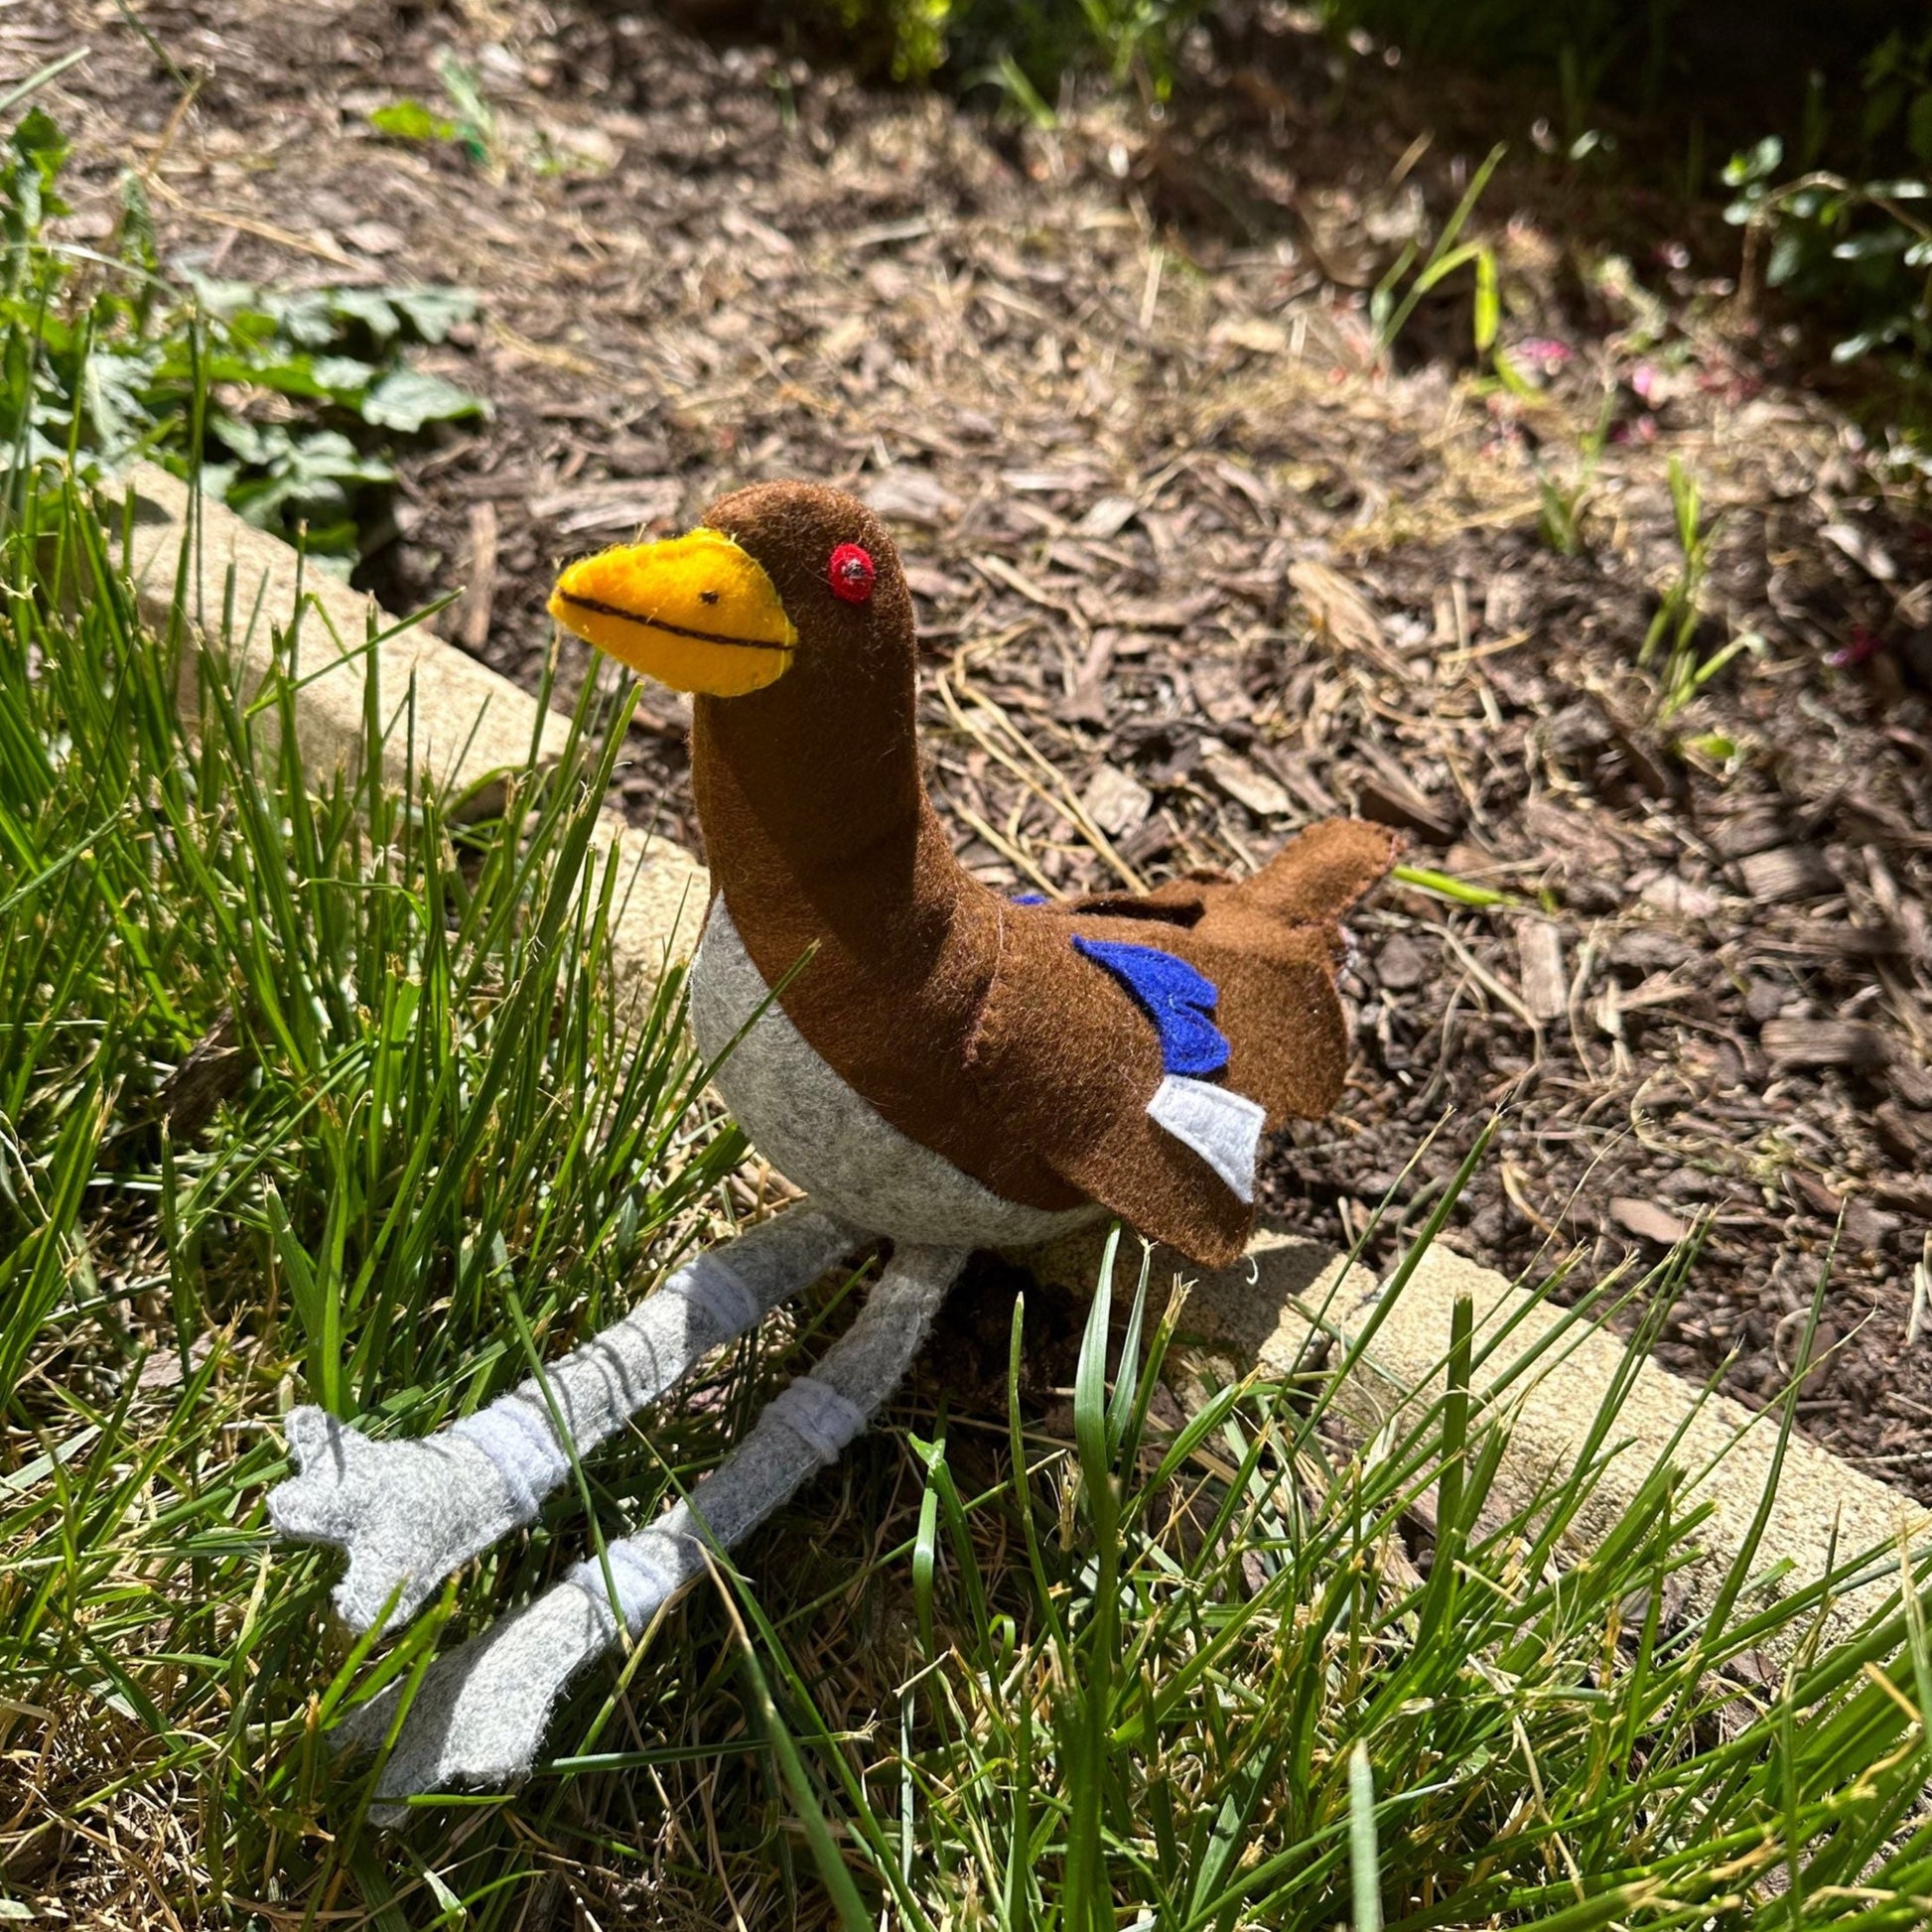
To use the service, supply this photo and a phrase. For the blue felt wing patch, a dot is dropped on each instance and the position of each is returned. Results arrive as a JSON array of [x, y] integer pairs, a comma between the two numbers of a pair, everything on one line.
[[1177, 997]]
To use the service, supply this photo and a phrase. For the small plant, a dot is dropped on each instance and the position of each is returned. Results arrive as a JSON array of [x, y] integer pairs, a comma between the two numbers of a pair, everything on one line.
[[1024, 47], [1682, 674], [469, 124], [1561, 504], [1390, 314], [1851, 250], [339, 353], [285, 404]]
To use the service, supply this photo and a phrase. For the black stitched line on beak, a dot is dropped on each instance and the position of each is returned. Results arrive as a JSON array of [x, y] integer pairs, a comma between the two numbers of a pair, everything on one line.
[[661, 623]]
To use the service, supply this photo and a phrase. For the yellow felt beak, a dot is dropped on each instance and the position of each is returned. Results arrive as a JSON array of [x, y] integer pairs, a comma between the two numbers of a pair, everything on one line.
[[695, 612]]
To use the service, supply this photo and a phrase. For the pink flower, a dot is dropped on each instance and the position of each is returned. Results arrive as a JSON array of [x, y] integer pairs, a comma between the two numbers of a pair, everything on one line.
[[1864, 645], [1545, 350], [1643, 379]]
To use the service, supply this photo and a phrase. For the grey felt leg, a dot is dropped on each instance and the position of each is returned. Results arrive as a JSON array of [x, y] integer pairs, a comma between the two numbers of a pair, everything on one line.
[[480, 1711], [409, 1512]]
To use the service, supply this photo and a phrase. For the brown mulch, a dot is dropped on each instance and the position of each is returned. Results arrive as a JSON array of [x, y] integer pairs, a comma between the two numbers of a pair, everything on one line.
[[1195, 565]]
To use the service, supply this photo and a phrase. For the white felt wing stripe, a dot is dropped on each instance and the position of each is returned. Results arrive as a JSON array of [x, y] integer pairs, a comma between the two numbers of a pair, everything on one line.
[[1221, 1126]]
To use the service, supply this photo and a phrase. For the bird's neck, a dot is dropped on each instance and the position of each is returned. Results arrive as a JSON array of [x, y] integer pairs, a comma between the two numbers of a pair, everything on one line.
[[818, 828]]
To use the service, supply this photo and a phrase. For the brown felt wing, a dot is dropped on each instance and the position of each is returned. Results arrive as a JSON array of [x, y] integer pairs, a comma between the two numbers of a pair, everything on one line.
[[1068, 1062], [1074, 1059]]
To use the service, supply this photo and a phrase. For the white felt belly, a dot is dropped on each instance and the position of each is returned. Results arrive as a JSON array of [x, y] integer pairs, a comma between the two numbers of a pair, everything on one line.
[[821, 1135]]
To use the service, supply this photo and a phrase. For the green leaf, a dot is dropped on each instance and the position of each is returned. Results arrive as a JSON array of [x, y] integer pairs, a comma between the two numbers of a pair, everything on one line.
[[411, 120], [327, 452], [1787, 258], [307, 317], [1754, 164], [288, 375], [1489, 311], [371, 307], [406, 399], [343, 376], [258, 444], [1918, 126], [221, 297], [433, 309]]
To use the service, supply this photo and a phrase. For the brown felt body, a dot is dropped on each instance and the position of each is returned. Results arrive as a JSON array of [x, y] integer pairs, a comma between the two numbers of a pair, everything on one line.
[[970, 1024]]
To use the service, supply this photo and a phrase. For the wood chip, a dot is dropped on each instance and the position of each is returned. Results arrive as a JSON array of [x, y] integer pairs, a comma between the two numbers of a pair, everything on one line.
[[1867, 552], [1649, 1221], [1219, 691], [1246, 783], [913, 496], [622, 503], [1868, 1228], [1786, 873], [1149, 613], [1250, 332], [1649, 949], [1539, 954], [479, 596], [1047, 483], [1792, 1044], [1016, 579], [1906, 1192], [1107, 518], [1809, 1191], [1683, 899], [932, 585], [1827, 939], [1908, 1136], [215, 1071], [1738, 838], [1116, 801], [1912, 1084], [1401, 965], [1337, 610], [1393, 801]]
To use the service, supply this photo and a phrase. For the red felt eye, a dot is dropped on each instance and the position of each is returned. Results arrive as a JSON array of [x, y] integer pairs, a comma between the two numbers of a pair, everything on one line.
[[852, 572]]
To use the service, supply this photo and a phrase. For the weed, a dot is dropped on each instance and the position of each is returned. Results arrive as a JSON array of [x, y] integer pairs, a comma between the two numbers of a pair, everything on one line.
[[1561, 504], [1446, 255], [285, 404], [1673, 629]]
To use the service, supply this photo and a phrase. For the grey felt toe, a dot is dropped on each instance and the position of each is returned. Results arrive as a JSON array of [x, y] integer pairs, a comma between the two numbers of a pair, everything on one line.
[[407, 1512], [482, 1709]]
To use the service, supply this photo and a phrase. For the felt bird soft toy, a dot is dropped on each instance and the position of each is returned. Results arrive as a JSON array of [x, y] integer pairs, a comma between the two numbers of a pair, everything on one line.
[[946, 1067]]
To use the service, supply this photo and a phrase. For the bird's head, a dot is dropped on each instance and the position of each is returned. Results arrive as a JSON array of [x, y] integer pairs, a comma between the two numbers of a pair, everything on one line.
[[779, 579]]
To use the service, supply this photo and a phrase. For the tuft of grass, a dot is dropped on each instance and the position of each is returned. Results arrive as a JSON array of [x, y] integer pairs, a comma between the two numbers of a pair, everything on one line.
[[302, 1087], [1258, 1667], [1672, 637], [1390, 313]]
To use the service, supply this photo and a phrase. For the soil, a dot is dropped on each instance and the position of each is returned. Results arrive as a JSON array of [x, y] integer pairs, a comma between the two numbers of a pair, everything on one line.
[[1197, 562]]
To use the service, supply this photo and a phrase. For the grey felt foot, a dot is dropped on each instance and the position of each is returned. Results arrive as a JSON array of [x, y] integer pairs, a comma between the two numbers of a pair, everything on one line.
[[407, 1512], [482, 1709]]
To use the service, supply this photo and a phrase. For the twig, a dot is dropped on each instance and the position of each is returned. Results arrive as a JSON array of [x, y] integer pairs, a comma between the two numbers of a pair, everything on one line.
[[248, 225], [1051, 794]]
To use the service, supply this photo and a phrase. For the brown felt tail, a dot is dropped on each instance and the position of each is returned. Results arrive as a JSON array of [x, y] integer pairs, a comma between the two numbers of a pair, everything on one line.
[[1322, 874]]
